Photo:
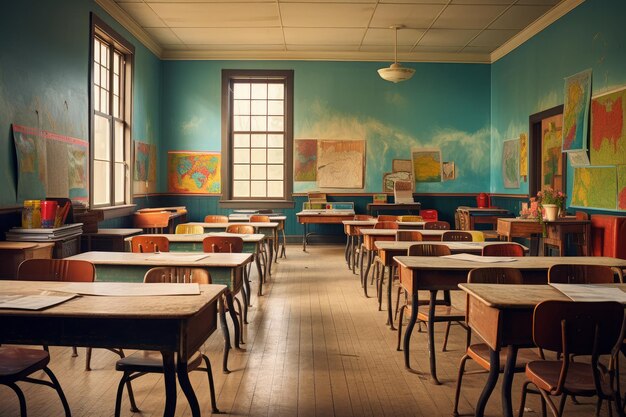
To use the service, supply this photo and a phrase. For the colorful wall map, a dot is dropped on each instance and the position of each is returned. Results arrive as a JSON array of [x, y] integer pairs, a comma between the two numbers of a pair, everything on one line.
[[576, 110], [194, 172], [608, 136], [510, 163], [341, 163], [305, 161], [595, 187], [426, 165], [145, 162], [551, 161]]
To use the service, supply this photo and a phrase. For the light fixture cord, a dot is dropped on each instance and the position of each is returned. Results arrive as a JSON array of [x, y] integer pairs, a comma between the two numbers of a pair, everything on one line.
[[395, 48]]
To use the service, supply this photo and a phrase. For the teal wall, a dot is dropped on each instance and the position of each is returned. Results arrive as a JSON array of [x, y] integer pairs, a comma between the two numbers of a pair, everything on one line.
[[44, 64], [444, 105], [531, 78]]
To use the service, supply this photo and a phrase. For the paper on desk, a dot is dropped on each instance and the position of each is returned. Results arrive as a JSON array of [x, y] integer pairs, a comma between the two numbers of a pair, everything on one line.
[[591, 292], [478, 258], [33, 302], [129, 289], [175, 257]]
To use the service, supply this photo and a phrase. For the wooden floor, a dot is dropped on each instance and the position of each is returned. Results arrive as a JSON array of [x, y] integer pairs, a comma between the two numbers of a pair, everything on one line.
[[314, 347]]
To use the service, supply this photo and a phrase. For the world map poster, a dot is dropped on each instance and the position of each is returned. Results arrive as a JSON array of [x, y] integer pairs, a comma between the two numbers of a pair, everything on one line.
[[145, 162], [426, 164], [595, 187], [194, 172], [305, 162], [608, 136], [551, 161], [576, 111], [341, 163]]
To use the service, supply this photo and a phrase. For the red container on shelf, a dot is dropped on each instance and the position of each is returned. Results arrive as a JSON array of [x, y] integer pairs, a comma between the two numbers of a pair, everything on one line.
[[483, 200], [48, 213]]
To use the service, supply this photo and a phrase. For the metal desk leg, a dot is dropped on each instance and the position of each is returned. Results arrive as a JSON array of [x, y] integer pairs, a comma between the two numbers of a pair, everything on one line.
[[507, 381], [304, 225], [389, 290], [431, 337], [494, 372], [169, 377], [226, 332], [185, 385], [409, 331]]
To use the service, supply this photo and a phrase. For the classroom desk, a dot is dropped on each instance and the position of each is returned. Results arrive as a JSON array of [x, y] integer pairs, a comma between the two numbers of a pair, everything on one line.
[[439, 273], [387, 250], [307, 217], [177, 326], [274, 217], [353, 238], [503, 317], [225, 269], [178, 215], [378, 207], [471, 216], [556, 231], [112, 240], [13, 253]]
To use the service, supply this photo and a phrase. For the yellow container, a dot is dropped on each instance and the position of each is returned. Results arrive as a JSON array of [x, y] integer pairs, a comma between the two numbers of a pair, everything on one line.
[[36, 214], [27, 214]]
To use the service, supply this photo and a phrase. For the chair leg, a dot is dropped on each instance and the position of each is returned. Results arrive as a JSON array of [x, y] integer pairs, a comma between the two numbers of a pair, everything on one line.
[[88, 359], [74, 352], [240, 312], [445, 338], [400, 327], [283, 249], [562, 403], [118, 396], [522, 403], [59, 390], [459, 379], [20, 397], [209, 372], [395, 315]]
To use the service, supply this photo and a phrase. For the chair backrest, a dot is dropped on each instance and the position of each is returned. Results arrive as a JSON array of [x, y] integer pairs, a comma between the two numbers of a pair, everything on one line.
[[573, 328], [427, 249], [215, 218], [189, 229], [152, 222], [495, 276], [243, 229], [429, 215], [456, 236], [387, 218], [503, 249], [410, 219], [260, 218], [409, 236], [56, 270], [148, 244], [386, 225], [438, 225], [225, 244], [182, 275], [477, 235], [362, 217], [582, 215], [581, 274]]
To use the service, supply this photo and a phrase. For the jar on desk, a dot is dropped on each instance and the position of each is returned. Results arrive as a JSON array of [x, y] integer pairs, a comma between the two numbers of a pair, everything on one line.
[[31, 214]]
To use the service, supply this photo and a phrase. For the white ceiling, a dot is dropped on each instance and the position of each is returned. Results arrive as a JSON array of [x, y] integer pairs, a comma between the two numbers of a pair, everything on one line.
[[446, 30]]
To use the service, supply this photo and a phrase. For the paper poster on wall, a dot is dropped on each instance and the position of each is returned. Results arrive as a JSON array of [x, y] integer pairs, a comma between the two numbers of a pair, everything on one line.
[[389, 178], [523, 154], [305, 161], [401, 165], [426, 164], [341, 163], [595, 187], [551, 161], [608, 133], [510, 163], [576, 111], [448, 171], [621, 187], [578, 158], [194, 172]]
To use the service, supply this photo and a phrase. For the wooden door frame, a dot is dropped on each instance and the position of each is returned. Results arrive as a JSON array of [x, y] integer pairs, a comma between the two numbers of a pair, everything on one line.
[[534, 141]]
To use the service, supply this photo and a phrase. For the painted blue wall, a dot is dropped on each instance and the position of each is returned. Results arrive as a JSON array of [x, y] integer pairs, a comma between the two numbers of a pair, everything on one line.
[[530, 79]]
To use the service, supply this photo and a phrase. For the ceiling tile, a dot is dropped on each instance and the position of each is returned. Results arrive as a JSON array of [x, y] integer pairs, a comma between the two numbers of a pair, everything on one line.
[[229, 36], [142, 14], [311, 36], [479, 49], [416, 16], [493, 38], [449, 37], [240, 15], [402, 49], [231, 48], [540, 2], [386, 36], [316, 15], [164, 36], [467, 17], [518, 17], [447, 49], [334, 48]]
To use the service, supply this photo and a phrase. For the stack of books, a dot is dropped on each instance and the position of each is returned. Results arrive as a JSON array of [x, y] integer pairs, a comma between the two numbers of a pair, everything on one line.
[[20, 234]]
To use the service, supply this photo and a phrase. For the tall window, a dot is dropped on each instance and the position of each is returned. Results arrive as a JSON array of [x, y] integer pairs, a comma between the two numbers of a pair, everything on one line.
[[259, 134], [110, 122]]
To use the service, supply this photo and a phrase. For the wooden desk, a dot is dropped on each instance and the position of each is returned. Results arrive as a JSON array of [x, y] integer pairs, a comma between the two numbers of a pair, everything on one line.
[[307, 217], [556, 231], [13, 253], [353, 238], [225, 269], [378, 207], [274, 217], [177, 326], [471, 216], [435, 274], [112, 240], [178, 215]]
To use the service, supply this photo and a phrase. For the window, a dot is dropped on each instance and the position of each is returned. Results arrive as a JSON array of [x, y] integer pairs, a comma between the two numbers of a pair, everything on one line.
[[257, 108], [110, 104]]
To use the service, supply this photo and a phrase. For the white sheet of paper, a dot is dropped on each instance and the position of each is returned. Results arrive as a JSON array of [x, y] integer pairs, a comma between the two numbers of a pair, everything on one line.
[[591, 292], [130, 289], [175, 256], [478, 258], [33, 302]]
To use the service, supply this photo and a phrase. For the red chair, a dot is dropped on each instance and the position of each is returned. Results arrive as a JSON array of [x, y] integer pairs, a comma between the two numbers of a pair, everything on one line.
[[152, 222], [503, 249], [429, 215], [149, 244]]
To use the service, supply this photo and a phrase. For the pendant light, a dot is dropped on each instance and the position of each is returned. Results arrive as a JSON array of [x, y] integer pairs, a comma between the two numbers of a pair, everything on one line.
[[396, 72]]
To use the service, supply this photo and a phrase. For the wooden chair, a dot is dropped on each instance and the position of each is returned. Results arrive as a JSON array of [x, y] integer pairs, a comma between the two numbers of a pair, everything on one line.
[[149, 244], [477, 235], [362, 217], [214, 218], [387, 218], [260, 218], [380, 225], [17, 364], [437, 225], [479, 352], [409, 236], [189, 229], [576, 328], [242, 229], [583, 274], [152, 222], [456, 236], [144, 361], [503, 249]]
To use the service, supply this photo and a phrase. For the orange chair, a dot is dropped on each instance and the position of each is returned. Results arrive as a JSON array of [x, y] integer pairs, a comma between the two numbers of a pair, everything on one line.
[[409, 236], [242, 229], [214, 218], [387, 218], [149, 244], [152, 222], [503, 249], [437, 225], [260, 218]]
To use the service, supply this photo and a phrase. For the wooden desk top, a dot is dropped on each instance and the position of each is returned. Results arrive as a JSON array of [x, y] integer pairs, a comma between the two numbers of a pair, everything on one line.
[[174, 209], [392, 232], [172, 237], [115, 232], [483, 210], [268, 225], [322, 213], [16, 246], [360, 222], [152, 307], [227, 260], [454, 246], [246, 217], [526, 262], [562, 220]]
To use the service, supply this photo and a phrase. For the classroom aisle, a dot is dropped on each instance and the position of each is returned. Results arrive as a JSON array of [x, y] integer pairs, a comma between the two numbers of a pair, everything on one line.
[[314, 347]]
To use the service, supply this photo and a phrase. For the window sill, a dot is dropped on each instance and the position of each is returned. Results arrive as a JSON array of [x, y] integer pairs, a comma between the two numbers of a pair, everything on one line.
[[117, 211], [256, 204]]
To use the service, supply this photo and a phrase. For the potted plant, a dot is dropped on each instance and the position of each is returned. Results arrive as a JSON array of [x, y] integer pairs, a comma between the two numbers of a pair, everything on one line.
[[551, 201]]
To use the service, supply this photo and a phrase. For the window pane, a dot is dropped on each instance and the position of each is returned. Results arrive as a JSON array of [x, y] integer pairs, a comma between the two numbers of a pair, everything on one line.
[[259, 107], [96, 74], [241, 107], [104, 78], [101, 177], [241, 91], [257, 156], [258, 141], [116, 63], [275, 91], [241, 188], [258, 123], [275, 124], [275, 141], [241, 172], [259, 91], [275, 189], [258, 189], [102, 139], [116, 85], [120, 181], [241, 123], [104, 101], [116, 107], [258, 172], [275, 172], [241, 156], [275, 156], [242, 141], [276, 107], [104, 55], [96, 50], [119, 141], [96, 98]]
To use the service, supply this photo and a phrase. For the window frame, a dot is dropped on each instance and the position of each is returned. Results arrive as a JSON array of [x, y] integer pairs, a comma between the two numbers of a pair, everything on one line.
[[99, 29], [229, 76]]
